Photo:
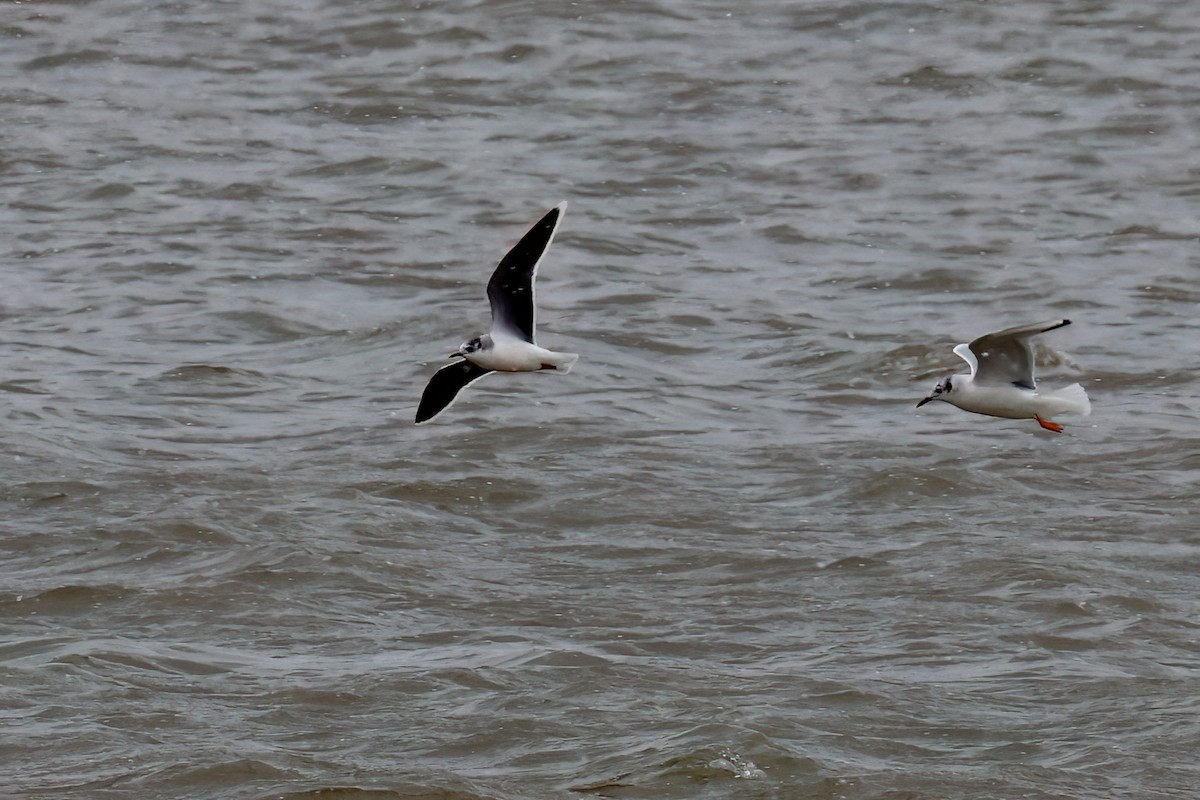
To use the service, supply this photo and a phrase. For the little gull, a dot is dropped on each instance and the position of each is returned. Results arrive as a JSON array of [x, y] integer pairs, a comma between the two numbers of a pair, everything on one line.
[[509, 346], [1001, 380]]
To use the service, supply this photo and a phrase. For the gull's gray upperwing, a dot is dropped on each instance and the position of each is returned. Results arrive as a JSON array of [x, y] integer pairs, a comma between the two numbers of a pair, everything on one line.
[[510, 290], [445, 385], [1006, 357]]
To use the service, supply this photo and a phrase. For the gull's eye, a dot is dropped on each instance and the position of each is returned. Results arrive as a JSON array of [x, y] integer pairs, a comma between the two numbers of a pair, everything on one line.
[[949, 385]]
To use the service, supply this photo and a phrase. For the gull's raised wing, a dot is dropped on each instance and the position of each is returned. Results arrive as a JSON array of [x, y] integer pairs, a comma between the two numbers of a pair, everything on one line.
[[1006, 357], [510, 290]]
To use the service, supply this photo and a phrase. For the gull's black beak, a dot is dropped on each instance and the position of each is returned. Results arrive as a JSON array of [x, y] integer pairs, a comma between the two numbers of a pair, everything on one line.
[[456, 354], [923, 402]]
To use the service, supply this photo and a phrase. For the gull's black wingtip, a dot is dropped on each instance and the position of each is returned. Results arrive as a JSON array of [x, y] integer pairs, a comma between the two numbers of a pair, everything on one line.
[[425, 414], [1052, 325], [554, 215]]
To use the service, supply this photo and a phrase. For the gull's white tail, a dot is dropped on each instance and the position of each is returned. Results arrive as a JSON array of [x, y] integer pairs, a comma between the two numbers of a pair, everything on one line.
[[1071, 400], [563, 362]]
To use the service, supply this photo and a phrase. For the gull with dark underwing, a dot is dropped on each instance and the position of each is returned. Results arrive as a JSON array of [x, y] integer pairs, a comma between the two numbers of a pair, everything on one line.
[[509, 346], [1001, 381]]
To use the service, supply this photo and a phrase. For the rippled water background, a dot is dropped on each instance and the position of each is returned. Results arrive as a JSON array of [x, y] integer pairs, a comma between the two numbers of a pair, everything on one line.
[[725, 557]]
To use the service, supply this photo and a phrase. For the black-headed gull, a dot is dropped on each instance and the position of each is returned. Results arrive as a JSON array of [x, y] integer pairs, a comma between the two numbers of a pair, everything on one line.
[[1001, 381]]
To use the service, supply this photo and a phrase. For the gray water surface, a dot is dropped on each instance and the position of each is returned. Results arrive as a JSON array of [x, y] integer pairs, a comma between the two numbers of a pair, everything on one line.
[[725, 557]]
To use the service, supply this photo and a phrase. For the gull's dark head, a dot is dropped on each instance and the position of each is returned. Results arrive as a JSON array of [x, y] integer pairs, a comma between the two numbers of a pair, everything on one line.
[[473, 345], [944, 387]]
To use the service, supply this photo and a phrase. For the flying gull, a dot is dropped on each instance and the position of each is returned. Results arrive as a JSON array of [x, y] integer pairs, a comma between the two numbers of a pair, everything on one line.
[[1001, 381], [509, 346]]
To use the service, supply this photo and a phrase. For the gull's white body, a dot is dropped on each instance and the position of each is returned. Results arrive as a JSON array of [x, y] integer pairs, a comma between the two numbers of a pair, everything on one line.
[[1014, 402], [512, 354], [1001, 382]]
